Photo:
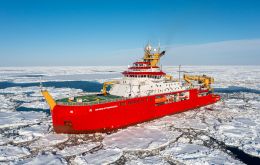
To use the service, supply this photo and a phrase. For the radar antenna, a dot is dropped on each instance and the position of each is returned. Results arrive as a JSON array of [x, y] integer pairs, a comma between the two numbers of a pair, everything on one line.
[[41, 83], [159, 46]]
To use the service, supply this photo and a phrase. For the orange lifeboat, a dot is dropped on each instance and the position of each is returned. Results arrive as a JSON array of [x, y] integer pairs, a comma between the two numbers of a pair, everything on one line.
[[161, 99]]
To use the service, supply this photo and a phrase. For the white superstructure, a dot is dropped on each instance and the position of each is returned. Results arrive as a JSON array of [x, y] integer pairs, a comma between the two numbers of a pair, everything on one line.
[[145, 78]]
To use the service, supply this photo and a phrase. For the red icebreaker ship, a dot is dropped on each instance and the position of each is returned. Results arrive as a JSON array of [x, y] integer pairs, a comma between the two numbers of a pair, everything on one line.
[[144, 93]]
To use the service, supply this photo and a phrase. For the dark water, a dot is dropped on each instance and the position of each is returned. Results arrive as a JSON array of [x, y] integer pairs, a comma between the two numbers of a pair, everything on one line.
[[236, 89], [242, 156], [33, 109], [86, 86], [31, 75], [92, 86]]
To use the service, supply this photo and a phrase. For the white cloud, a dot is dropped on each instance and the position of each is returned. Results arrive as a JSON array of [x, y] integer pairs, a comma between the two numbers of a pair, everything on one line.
[[237, 52], [224, 52]]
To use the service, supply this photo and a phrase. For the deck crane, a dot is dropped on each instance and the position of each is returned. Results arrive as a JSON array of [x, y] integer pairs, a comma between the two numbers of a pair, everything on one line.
[[105, 85], [206, 81]]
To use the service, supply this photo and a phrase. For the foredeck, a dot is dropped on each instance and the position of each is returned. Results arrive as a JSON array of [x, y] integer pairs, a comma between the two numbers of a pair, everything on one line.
[[88, 99]]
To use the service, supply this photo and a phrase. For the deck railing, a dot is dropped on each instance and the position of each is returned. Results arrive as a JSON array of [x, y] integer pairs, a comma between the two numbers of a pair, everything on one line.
[[90, 103], [110, 100]]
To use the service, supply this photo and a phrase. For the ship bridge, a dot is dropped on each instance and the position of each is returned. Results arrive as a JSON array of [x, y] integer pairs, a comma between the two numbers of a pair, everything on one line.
[[148, 66], [145, 77]]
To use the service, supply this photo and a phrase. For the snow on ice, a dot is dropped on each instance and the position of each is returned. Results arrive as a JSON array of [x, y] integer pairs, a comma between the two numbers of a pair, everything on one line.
[[100, 157], [78, 149], [16, 119], [43, 159], [197, 154], [49, 140], [12, 152], [136, 138], [201, 136]]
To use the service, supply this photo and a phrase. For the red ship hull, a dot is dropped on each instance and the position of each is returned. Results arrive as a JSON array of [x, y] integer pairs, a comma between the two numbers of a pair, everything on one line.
[[122, 113]]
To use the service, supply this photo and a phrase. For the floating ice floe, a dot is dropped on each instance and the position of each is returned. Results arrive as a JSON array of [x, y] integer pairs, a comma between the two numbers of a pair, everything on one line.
[[100, 157], [186, 120], [4, 140], [239, 126], [44, 159], [49, 140], [155, 160], [234, 121], [255, 104], [33, 93], [197, 154], [6, 103], [78, 149], [39, 130], [10, 152], [30, 97], [19, 90], [136, 138], [33, 74], [16, 119], [252, 147], [35, 105], [26, 133]]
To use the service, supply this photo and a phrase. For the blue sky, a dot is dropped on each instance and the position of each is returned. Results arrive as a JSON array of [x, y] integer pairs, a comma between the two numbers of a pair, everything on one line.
[[193, 32]]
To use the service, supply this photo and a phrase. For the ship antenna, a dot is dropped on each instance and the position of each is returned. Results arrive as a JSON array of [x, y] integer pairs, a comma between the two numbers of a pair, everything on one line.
[[41, 83], [179, 73], [159, 46]]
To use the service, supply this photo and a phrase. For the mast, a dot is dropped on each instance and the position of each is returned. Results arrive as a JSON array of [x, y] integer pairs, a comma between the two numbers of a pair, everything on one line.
[[179, 73]]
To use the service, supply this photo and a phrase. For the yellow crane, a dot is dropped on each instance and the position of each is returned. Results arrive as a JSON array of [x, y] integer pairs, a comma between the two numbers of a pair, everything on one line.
[[105, 85], [206, 81], [51, 102]]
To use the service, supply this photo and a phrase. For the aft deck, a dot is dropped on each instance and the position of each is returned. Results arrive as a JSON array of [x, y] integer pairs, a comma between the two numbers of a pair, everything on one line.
[[88, 99]]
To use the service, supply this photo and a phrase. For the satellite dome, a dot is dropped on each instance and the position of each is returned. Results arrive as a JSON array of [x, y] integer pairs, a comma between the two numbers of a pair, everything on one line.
[[148, 47]]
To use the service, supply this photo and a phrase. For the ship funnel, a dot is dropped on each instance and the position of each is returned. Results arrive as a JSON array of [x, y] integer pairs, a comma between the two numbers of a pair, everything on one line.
[[50, 101]]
